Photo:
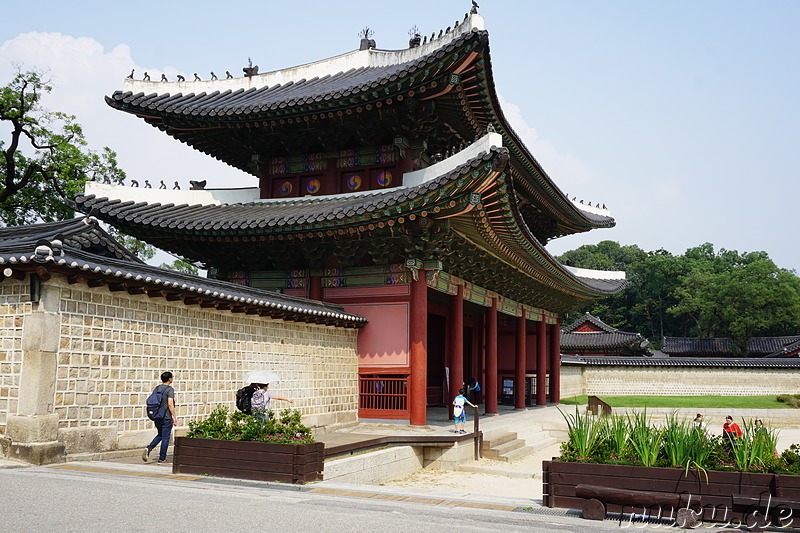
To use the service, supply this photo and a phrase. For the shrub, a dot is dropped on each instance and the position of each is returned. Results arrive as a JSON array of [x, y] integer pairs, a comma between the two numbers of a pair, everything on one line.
[[792, 400], [678, 443], [284, 428], [585, 433]]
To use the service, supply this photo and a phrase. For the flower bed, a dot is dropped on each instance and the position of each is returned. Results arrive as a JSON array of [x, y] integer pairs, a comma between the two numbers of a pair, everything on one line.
[[735, 481], [262, 461], [245, 446]]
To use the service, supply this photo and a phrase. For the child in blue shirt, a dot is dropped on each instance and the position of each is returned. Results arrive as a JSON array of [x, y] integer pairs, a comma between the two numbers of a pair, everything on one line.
[[459, 416]]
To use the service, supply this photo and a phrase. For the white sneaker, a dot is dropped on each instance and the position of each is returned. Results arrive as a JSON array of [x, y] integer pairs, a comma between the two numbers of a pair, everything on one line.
[[146, 454]]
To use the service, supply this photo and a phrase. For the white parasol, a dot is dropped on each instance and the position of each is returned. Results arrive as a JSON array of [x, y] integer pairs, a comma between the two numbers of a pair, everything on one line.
[[261, 376]]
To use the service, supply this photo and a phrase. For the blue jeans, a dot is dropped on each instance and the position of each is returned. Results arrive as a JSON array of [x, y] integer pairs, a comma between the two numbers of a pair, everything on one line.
[[164, 428]]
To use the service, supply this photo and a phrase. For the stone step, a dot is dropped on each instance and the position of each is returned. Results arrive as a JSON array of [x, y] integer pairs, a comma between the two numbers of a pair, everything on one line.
[[532, 432], [516, 454], [542, 443], [496, 452], [495, 438]]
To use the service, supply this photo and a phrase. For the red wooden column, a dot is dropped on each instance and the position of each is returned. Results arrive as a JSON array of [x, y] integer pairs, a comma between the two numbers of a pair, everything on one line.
[[456, 333], [315, 288], [490, 386], [541, 362], [519, 364], [555, 362], [418, 356]]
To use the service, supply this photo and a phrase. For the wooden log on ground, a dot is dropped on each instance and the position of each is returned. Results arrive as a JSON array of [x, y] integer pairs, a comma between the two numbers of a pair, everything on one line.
[[597, 497]]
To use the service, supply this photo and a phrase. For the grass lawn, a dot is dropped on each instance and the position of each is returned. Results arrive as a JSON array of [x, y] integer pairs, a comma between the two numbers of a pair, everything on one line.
[[706, 402]]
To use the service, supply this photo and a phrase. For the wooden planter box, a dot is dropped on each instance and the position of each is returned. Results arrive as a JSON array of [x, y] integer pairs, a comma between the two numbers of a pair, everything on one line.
[[560, 479], [261, 461]]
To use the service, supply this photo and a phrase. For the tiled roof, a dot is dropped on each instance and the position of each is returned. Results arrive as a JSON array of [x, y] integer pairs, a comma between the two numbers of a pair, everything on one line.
[[607, 337], [53, 255], [263, 100], [245, 126], [700, 362], [189, 229], [591, 319], [271, 215], [722, 346], [601, 339], [83, 234]]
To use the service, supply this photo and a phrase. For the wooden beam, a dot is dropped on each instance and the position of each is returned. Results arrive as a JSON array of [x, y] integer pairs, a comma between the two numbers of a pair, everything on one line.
[[173, 296], [191, 300], [117, 287], [96, 282], [42, 272], [136, 289], [72, 279], [155, 293], [207, 304]]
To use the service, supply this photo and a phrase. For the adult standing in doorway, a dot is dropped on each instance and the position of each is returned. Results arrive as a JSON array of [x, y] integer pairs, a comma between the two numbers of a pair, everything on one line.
[[163, 425]]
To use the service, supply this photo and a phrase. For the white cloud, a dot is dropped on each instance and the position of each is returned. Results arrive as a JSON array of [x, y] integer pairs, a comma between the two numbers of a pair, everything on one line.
[[82, 74], [568, 172]]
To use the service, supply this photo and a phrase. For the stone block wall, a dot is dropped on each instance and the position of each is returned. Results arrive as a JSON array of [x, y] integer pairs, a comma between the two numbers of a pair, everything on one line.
[[113, 346], [14, 305], [572, 381], [687, 381]]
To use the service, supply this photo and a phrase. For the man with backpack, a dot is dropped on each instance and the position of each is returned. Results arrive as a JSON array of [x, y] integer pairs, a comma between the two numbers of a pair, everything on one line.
[[161, 410]]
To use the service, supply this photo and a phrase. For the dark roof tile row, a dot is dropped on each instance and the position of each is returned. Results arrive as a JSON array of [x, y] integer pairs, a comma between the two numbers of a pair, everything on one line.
[[18, 251], [272, 213], [700, 362], [299, 92]]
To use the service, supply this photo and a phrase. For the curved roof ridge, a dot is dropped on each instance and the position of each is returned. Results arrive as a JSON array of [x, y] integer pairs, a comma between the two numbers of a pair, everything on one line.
[[342, 63]]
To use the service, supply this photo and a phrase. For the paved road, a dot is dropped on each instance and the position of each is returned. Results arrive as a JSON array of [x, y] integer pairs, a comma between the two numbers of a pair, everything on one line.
[[56, 500]]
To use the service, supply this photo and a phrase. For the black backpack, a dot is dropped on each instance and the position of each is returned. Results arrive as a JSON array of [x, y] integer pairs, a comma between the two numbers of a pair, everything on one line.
[[156, 406], [244, 397]]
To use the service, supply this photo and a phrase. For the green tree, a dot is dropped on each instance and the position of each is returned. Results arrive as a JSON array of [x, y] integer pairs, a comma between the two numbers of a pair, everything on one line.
[[740, 296], [46, 160], [181, 265], [606, 255], [699, 294]]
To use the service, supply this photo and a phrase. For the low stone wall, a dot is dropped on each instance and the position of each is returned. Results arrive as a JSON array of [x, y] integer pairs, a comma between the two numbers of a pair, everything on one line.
[[76, 367], [379, 466], [678, 380], [397, 462]]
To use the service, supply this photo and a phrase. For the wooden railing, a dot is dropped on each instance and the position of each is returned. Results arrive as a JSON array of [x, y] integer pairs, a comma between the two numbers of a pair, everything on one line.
[[383, 396], [597, 406]]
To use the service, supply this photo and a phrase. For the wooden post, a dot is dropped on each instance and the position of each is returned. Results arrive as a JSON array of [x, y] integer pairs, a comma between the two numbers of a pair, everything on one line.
[[456, 342], [490, 386], [418, 356], [555, 362], [520, 363], [315, 288], [541, 362]]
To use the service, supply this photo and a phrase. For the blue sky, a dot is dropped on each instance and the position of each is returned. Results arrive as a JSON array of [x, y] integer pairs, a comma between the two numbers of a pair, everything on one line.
[[680, 116]]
